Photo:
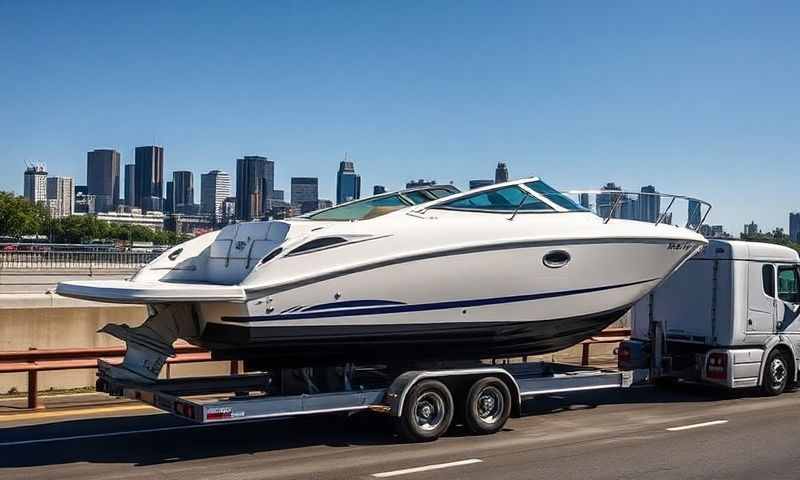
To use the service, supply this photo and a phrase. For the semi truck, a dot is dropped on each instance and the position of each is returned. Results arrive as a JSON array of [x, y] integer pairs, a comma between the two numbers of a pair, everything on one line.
[[728, 317]]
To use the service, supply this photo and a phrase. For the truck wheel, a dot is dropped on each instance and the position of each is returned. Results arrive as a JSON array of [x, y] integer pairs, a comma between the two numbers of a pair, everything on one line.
[[427, 412], [488, 406], [776, 374]]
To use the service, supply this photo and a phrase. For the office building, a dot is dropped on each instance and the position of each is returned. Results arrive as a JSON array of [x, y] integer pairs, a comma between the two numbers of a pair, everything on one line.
[[169, 202], [215, 187], [228, 210], [694, 213], [304, 189], [278, 195], [420, 183], [255, 181], [794, 226], [102, 178], [584, 201], [649, 205], [149, 175], [183, 192], [83, 203], [378, 189], [35, 185], [608, 201], [501, 173], [130, 184], [751, 229], [152, 220], [60, 196], [348, 183], [473, 184]]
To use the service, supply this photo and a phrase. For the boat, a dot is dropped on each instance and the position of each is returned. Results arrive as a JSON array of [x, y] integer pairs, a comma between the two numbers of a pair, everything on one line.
[[515, 268]]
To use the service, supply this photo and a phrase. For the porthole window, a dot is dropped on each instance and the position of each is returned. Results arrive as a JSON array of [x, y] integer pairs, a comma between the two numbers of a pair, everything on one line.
[[556, 259]]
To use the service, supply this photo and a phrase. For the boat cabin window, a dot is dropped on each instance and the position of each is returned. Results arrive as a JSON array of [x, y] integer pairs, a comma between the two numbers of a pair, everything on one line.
[[506, 199], [360, 210], [788, 284], [553, 195], [418, 197], [441, 192]]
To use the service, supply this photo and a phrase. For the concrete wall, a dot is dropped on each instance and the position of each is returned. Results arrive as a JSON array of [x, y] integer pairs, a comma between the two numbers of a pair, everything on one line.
[[49, 321]]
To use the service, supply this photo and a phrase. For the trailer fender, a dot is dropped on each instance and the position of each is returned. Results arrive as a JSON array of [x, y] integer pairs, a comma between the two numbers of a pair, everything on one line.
[[397, 391], [783, 342]]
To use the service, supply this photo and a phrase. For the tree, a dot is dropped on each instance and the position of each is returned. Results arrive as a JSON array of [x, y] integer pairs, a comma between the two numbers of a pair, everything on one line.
[[19, 217]]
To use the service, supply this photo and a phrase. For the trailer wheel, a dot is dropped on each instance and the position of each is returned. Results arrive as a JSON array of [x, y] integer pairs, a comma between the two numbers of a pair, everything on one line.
[[427, 412], [776, 374], [488, 406]]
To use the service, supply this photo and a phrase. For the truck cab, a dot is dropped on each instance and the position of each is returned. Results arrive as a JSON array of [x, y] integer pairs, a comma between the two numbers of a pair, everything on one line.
[[728, 317]]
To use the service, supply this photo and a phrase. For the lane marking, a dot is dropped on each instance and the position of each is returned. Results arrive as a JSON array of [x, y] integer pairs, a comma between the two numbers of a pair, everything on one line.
[[11, 417], [426, 468], [696, 425]]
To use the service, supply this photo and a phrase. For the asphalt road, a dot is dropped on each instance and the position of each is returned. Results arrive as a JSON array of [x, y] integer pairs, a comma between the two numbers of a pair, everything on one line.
[[602, 435]]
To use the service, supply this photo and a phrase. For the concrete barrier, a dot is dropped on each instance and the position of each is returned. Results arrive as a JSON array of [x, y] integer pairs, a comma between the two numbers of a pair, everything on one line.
[[50, 321]]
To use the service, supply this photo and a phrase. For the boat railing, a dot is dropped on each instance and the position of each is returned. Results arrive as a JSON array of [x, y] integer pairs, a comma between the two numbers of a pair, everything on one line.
[[642, 206]]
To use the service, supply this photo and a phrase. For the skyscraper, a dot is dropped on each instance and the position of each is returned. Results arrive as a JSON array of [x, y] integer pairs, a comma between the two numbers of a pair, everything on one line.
[[751, 229], [608, 201], [169, 202], [378, 189], [584, 201], [473, 184], [694, 213], [130, 185], [305, 193], [794, 226], [215, 187], [649, 205], [255, 180], [35, 186], [149, 178], [501, 173], [102, 178], [183, 194], [60, 196], [348, 183]]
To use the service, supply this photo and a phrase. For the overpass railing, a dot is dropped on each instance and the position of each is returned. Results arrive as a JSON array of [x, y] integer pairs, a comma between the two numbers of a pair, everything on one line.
[[74, 260]]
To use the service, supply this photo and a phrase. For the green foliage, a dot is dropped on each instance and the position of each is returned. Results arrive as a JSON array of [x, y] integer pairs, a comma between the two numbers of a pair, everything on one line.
[[776, 236], [18, 217]]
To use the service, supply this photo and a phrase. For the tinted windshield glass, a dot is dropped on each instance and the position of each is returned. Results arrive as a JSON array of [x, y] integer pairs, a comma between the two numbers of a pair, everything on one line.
[[505, 199], [417, 197], [553, 195], [368, 208], [441, 192]]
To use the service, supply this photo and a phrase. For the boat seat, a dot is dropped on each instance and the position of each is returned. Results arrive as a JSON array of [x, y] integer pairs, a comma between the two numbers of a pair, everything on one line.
[[239, 248]]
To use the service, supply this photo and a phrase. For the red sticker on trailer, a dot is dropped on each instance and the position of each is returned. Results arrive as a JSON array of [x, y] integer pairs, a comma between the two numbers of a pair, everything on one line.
[[222, 413]]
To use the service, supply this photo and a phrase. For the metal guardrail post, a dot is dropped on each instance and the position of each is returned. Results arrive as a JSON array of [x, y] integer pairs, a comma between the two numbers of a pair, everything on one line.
[[33, 389]]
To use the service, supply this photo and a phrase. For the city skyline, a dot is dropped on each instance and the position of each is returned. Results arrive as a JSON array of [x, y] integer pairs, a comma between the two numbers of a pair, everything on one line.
[[680, 96]]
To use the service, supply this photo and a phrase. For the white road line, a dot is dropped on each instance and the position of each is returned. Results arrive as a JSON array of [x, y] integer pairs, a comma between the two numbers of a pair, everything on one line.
[[696, 425], [426, 468]]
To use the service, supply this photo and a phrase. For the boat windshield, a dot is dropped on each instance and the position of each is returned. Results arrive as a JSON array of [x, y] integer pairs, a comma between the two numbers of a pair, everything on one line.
[[361, 210], [506, 199], [554, 195]]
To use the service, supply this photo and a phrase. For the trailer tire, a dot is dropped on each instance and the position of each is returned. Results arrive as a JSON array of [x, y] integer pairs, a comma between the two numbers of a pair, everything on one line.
[[427, 412], [776, 373], [487, 406]]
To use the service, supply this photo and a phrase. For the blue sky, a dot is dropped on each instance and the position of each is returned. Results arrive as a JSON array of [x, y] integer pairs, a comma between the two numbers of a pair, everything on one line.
[[700, 98]]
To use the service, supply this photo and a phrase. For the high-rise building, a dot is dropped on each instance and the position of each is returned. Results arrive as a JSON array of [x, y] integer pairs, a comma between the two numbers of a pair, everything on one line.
[[130, 184], [278, 195], [694, 213], [420, 183], [378, 189], [584, 201], [228, 209], [84, 203], [794, 226], [649, 205], [183, 194], [501, 173], [751, 229], [215, 187], [35, 186], [473, 184], [304, 190], [255, 181], [608, 201], [169, 202], [348, 183], [149, 178], [60, 196], [102, 178]]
